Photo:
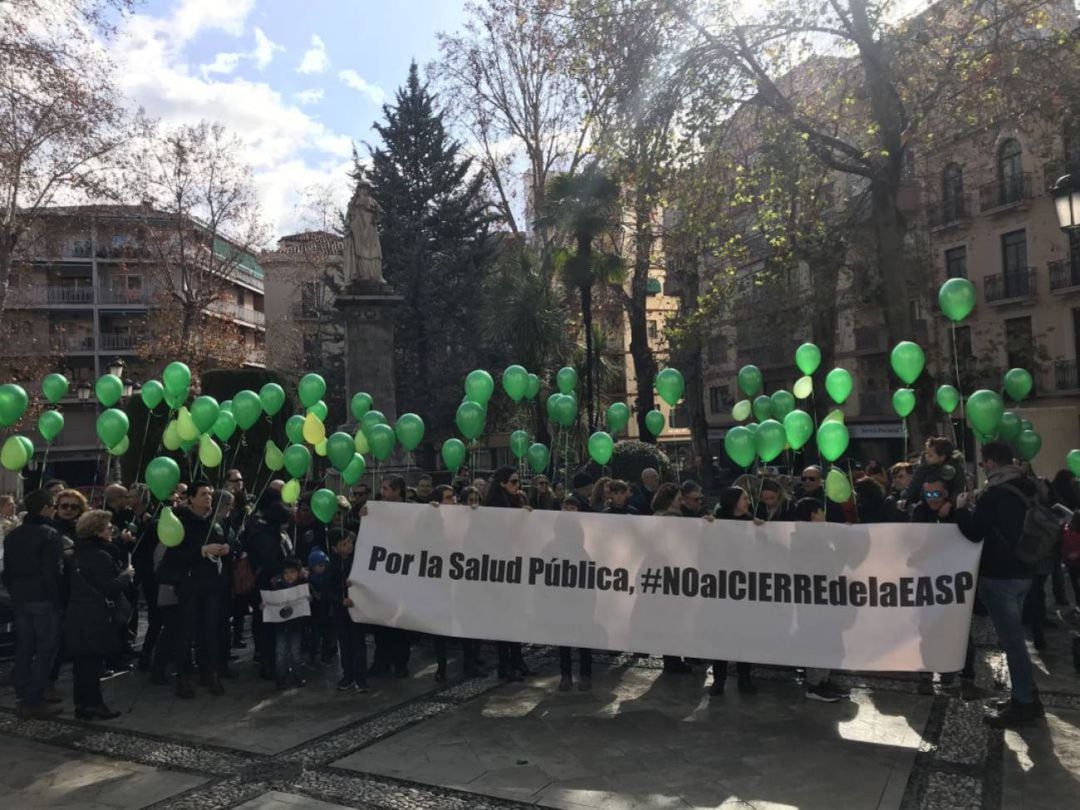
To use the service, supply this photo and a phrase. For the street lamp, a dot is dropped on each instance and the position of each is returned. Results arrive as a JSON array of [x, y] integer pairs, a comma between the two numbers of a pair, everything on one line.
[[116, 367], [129, 388], [83, 391], [1067, 201]]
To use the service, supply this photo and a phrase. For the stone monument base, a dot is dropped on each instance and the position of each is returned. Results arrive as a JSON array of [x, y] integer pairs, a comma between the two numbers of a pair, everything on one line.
[[368, 310]]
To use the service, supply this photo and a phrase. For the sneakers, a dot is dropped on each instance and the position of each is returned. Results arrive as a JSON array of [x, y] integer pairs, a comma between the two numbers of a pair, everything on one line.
[[41, 711], [822, 692], [344, 685], [362, 687], [1016, 714]]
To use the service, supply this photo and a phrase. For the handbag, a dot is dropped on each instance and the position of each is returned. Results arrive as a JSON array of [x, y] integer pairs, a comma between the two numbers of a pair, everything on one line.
[[243, 577], [120, 610]]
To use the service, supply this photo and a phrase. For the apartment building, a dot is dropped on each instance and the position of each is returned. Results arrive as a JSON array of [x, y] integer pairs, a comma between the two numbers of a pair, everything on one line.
[[87, 294]]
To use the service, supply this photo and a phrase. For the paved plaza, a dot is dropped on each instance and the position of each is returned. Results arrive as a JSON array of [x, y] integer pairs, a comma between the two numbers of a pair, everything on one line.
[[639, 739]]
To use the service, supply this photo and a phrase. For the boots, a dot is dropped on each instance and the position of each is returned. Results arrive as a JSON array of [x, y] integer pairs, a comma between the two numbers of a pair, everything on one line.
[[214, 684], [183, 688]]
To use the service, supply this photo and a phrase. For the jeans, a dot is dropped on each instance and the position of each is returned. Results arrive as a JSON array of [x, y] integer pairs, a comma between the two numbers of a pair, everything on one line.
[[287, 647], [566, 664], [86, 677], [1004, 599], [352, 641], [37, 638]]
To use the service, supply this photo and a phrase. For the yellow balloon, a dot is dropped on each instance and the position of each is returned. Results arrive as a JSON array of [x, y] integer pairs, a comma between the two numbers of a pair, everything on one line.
[[171, 437], [290, 493], [320, 448], [803, 387], [835, 415], [170, 530], [209, 452], [314, 431], [361, 443], [185, 425]]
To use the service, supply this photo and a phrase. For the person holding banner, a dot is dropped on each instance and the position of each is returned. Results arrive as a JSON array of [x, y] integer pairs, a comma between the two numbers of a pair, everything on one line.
[[391, 644], [566, 662], [734, 505]]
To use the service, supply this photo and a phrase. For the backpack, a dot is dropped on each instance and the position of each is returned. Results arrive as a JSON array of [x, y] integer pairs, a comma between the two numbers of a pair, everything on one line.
[[1070, 547], [1041, 531]]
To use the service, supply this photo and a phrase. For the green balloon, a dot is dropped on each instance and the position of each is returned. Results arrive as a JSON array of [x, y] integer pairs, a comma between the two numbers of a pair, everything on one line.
[[171, 436], [354, 470], [654, 422], [109, 388], [539, 457], [762, 408], [272, 398], [565, 409], [534, 387], [273, 458], [312, 388], [360, 404], [769, 440], [1010, 427], [340, 449], [410, 431], [1018, 384], [838, 383], [320, 410], [808, 358], [903, 402], [177, 378], [226, 406], [204, 412], [752, 427], [1028, 444], [175, 400], [453, 454], [470, 419], [324, 504], [907, 360], [783, 403], [247, 408], [123, 446], [618, 414], [152, 393], [479, 386], [170, 530], [50, 424], [947, 398], [837, 487], [209, 452], [54, 387], [670, 386], [224, 425], [742, 410], [798, 427], [984, 410], [13, 454], [297, 460], [601, 446], [519, 443], [835, 415], [112, 426], [515, 380], [552, 411], [369, 420], [566, 379], [740, 446], [832, 440], [294, 429], [1025, 424], [290, 493], [1072, 461], [803, 388], [957, 298], [162, 476], [382, 441], [750, 380]]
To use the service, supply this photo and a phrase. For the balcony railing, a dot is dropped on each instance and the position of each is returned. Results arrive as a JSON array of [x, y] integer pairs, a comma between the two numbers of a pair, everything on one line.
[[238, 313], [874, 403], [1005, 192], [120, 343], [123, 295], [1015, 285], [72, 343], [1064, 275], [870, 340], [1065, 375], [949, 212], [769, 356]]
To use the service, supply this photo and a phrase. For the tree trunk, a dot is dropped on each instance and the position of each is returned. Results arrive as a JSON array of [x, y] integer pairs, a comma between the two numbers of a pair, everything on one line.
[[7, 246], [889, 231], [586, 319], [690, 362], [640, 352]]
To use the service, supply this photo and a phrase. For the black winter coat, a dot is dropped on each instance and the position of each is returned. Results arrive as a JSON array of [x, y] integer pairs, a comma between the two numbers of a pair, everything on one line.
[[33, 562], [267, 547], [184, 565], [997, 521], [95, 577]]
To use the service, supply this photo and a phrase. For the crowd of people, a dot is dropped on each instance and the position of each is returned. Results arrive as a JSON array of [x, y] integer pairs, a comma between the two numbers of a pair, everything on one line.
[[83, 582]]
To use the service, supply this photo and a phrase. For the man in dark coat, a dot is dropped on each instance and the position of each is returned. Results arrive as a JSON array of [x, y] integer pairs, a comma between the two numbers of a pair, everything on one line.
[[268, 546], [644, 490], [33, 575]]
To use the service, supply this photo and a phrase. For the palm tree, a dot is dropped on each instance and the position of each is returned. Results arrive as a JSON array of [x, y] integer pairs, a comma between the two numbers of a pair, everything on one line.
[[582, 207]]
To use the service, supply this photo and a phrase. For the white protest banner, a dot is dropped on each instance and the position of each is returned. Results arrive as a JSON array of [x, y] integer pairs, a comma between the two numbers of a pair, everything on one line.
[[286, 604], [870, 597]]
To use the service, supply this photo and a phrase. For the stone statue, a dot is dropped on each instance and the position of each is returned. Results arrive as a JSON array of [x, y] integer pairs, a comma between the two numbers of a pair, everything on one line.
[[363, 255]]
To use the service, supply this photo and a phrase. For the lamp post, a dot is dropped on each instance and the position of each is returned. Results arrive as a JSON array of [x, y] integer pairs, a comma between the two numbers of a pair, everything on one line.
[[1067, 202], [116, 368], [83, 391]]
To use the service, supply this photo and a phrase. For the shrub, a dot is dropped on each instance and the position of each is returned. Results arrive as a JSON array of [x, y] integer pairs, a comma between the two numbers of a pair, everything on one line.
[[631, 457]]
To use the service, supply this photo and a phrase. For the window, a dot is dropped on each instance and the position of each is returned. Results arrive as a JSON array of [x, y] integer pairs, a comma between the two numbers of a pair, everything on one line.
[[956, 262], [1010, 171], [680, 416], [653, 326], [718, 398], [962, 343], [952, 193], [909, 165], [1014, 264], [1019, 350]]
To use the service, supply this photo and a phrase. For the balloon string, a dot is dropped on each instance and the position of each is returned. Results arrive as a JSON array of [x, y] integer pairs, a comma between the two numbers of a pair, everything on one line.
[[142, 445], [961, 440]]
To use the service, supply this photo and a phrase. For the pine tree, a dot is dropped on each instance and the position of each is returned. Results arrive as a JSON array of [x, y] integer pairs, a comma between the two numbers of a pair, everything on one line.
[[434, 229]]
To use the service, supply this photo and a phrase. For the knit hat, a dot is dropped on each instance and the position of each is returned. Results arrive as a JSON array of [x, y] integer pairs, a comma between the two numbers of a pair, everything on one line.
[[317, 557]]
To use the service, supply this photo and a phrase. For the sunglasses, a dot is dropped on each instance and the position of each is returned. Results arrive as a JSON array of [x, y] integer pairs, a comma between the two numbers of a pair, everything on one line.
[[933, 493], [236, 480]]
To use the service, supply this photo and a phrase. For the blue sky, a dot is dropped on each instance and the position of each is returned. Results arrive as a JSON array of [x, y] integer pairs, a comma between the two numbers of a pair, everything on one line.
[[298, 80]]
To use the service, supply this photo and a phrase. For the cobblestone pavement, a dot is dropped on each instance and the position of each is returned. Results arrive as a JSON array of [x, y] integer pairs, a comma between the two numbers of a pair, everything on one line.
[[638, 739]]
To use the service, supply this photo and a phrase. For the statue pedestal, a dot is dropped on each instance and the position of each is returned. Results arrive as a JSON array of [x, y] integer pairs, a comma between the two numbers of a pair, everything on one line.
[[368, 309]]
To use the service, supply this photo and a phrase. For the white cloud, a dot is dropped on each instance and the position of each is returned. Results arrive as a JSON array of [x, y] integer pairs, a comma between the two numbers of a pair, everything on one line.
[[315, 59], [264, 49], [224, 63], [312, 95], [354, 80], [193, 16]]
